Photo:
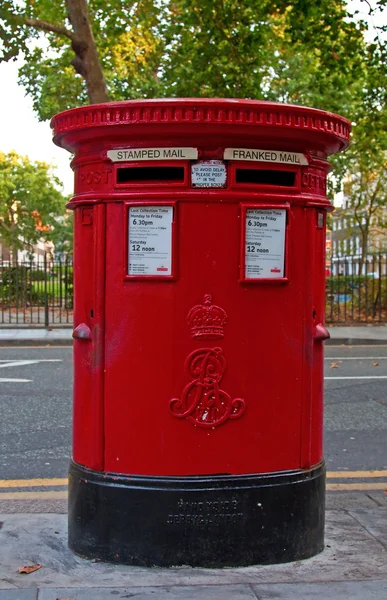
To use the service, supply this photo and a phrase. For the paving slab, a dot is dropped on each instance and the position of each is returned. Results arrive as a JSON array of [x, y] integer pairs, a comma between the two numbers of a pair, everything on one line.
[[347, 501], [380, 498], [364, 590], [20, 594], [200, 592], [374, 521], [352, 553]]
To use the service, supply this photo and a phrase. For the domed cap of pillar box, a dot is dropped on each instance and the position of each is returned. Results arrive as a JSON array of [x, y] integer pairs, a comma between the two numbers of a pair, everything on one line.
[[200, 121]]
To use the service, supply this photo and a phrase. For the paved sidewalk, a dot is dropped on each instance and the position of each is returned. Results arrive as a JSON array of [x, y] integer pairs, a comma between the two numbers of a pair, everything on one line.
[[24, 336], [356, 335], [352, 566]]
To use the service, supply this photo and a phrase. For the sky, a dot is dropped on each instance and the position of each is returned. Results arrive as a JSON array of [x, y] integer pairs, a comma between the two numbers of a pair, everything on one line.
[[21, 131]]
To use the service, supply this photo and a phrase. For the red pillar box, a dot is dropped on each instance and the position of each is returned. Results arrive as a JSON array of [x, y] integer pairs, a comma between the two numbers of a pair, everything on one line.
[[199, 322]]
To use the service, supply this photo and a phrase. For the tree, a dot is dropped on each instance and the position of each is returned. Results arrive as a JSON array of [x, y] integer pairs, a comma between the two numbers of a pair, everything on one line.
[[311, 52], [294, 50], [30, 201], [364, 166], [93, 54], [366, 190], [62, 234]]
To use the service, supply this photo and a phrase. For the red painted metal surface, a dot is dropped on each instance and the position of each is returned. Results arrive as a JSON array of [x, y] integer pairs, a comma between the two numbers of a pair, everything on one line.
[[202, 371]]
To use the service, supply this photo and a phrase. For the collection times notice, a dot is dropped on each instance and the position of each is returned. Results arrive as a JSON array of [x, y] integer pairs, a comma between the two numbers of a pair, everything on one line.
[[150, 240], [265, 243]]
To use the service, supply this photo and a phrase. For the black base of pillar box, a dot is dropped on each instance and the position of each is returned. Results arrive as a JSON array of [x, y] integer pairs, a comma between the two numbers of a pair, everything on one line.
[[201, 521]]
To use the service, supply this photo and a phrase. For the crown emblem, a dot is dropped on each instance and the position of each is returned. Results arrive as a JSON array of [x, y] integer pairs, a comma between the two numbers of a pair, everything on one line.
[[207, 320]]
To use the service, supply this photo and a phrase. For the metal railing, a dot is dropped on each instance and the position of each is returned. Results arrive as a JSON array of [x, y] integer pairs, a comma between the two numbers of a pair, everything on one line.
[[39, 292], [36, 292], [356, 292]]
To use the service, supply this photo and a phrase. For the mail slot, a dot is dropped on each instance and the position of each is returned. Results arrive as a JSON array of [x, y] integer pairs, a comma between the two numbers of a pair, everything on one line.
[[199, 327]]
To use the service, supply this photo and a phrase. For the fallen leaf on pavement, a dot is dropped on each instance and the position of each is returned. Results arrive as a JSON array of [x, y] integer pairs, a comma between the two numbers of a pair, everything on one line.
[[335, 365], [29, 569], [375, 364]]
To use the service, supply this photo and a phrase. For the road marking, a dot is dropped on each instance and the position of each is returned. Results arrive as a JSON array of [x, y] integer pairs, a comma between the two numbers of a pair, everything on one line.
[[5, 380], [18, 483], [352, 346], [38, 347], [33, 495], [360, 377], [355, 474], [22, 363], [62, 495], [356, 358], [63, 481], [332, 487]]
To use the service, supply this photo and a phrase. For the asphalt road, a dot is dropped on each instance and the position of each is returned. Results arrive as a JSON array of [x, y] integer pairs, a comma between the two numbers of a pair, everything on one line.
[[356, 407], [35, 414]]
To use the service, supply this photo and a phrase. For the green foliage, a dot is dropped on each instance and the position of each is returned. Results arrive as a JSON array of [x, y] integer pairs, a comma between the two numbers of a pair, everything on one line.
[[363, 167], [30, 201], [25, 285], [127, 35], [16, 286], [57, 292], [344, 284], [52, 87], [311, 52], [299, 51], [63, 233], [356, 298]]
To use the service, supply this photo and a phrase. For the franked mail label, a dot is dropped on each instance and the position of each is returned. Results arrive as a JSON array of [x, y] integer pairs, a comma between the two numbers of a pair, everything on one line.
[[284, 157], [150, 240], [209, 173], [136, 154], [265, 243]]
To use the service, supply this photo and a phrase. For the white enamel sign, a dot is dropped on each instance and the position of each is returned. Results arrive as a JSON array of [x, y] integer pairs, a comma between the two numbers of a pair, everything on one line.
[[274, 156], [265, 243], [150, 240], [138, 154], [209, 173]]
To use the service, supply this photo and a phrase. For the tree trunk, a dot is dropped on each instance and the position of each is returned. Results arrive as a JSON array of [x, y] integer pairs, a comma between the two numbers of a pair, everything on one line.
[[14, 251], [86, 61], [364, 249]]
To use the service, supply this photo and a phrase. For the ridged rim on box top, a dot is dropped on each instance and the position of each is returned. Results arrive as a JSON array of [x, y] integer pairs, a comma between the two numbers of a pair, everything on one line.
[[179, 111]]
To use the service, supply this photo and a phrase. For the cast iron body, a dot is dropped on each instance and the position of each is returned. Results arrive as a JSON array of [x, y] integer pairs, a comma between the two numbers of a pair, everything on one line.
[[198, 396]]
